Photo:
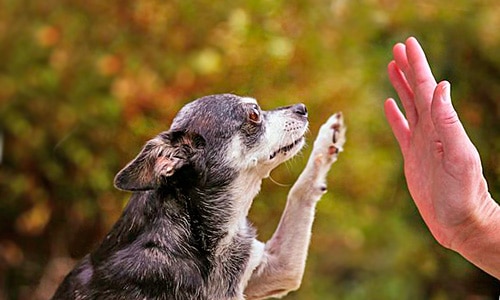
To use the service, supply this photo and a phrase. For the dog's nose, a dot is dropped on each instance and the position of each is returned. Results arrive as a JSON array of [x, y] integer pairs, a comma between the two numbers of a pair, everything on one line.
[[300, 109]]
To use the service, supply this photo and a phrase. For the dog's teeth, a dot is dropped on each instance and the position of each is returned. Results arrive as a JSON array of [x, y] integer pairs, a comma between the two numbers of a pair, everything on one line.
[[285, 149]]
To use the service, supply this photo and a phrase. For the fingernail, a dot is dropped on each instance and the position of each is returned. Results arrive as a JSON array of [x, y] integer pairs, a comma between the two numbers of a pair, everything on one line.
[[446, 95]]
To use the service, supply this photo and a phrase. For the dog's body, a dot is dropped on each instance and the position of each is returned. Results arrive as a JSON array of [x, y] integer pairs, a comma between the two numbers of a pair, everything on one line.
[[184, 233]]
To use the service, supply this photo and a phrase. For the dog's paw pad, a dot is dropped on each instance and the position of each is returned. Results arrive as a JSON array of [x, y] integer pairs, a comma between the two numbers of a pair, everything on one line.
[[331, 137], [333, 150]]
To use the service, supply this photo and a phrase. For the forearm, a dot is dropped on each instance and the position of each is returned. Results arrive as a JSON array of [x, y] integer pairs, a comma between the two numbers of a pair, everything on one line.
[[285, 255], [481, 240]]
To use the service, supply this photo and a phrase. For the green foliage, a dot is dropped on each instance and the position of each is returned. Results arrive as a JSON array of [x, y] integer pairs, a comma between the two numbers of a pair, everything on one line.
[[83, 84]]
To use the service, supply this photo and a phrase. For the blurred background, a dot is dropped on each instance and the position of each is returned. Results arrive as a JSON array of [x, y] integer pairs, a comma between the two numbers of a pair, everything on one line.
[[84, 83]]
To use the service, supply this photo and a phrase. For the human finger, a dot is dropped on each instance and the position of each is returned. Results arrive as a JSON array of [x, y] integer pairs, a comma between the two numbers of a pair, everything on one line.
[[399, 53], [404, 91], [398, 123], [421, 80], [448, 127]]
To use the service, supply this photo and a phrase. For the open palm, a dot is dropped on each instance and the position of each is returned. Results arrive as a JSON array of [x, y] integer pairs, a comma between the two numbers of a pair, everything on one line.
[[442, 166]]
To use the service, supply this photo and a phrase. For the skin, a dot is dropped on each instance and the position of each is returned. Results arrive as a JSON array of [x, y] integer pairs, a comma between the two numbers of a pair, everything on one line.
[[442, 167]]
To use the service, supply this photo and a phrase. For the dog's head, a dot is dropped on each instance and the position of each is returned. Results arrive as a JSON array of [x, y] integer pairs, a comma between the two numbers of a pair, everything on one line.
[[214, 137]]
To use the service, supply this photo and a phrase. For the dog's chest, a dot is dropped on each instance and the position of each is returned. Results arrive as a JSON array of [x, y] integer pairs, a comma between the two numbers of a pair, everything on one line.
[[255, 259], [233, 265]]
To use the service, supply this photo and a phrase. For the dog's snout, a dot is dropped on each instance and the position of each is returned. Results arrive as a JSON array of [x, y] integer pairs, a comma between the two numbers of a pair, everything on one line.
[[300, 109]]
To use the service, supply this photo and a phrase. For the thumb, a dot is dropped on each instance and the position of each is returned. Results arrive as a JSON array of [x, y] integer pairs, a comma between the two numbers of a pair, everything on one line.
[[448, 127]]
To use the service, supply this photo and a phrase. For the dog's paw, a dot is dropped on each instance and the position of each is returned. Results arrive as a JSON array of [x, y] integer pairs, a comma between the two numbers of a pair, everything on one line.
[[330, 140]]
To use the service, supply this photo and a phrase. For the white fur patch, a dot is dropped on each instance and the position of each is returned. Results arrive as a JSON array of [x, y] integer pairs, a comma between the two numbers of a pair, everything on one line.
[[256, 258], [249, 100]]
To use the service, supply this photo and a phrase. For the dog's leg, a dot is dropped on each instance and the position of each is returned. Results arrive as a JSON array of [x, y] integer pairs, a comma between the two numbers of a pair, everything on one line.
[[283, 262]]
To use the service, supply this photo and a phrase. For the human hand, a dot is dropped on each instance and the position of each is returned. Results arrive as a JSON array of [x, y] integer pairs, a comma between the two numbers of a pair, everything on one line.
[[442, 166]]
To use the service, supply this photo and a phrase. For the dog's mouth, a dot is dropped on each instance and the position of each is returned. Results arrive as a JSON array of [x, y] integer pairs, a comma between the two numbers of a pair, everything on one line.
[[286, 149]]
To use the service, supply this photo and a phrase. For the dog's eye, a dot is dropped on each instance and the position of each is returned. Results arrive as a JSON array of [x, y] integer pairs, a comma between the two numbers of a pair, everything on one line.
[[254, 114]]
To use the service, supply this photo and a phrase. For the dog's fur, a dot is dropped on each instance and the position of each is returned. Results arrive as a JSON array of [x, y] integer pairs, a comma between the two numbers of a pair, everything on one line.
[[184, 233]]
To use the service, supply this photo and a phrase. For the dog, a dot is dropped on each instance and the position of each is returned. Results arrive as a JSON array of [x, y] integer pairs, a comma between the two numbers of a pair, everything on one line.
[[184, 233]]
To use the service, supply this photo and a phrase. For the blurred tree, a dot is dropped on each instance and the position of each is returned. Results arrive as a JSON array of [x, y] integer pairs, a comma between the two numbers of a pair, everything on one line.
[[83, 84]]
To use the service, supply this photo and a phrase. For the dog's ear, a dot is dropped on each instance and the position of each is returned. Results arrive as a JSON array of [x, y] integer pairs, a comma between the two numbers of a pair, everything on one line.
[[159, 159]]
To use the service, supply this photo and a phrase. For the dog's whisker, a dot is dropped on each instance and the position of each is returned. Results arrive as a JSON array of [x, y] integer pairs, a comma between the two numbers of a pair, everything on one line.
[[278, 183]]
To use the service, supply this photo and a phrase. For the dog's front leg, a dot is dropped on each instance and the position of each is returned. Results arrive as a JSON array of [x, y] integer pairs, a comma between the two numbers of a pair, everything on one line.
[[283, 263]]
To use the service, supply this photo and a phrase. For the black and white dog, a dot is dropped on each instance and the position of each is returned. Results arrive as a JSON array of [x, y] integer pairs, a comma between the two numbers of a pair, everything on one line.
[[184, 233]]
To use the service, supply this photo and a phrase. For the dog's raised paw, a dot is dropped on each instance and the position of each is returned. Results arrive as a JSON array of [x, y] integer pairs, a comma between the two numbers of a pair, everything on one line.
[[330, 140]]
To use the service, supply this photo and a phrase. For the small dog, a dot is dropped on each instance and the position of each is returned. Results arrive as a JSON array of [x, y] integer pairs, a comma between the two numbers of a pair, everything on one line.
[[184, 233]]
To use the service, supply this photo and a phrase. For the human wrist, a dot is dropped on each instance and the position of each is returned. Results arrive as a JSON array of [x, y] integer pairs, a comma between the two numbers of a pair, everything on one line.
[[481, 241], [480, 230]]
